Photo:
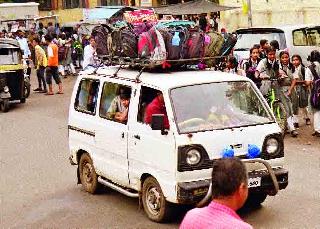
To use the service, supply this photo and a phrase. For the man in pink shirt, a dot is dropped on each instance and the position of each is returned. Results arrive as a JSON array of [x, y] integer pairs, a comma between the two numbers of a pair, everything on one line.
[[229, 193]]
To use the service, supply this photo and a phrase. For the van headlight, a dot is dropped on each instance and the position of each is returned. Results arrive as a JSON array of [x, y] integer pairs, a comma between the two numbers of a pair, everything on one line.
[[272, 145], [193, 157], [6, 89]]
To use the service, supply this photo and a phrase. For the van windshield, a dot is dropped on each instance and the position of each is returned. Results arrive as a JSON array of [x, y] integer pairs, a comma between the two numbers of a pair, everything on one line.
[[246, 40], [219, 105]]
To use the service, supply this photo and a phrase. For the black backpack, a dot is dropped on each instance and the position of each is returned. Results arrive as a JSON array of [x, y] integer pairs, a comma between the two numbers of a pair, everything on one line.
[[100, 34], [315, 91]]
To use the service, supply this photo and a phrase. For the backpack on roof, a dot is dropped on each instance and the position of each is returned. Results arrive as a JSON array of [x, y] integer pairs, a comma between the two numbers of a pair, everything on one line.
[[175, 43], [147, 42], [213, 42], [194, 45], [229, 43], [124, 43], [100, 34], [315, 91]]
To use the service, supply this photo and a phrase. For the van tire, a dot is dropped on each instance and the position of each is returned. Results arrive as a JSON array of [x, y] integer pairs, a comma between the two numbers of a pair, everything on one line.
[[255, 199], [158, 210], [88, 175]]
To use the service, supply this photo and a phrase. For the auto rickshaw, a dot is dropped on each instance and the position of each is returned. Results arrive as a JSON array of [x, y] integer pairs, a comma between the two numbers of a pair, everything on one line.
[[13, 85]]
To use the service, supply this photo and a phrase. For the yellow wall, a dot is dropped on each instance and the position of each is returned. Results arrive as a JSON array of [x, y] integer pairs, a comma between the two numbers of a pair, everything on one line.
[[68, 15], [273, 12]]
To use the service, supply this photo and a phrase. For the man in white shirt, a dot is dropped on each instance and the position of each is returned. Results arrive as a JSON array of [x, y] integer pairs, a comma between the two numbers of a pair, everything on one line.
[[88, 53], [24, 46], [309, 77]]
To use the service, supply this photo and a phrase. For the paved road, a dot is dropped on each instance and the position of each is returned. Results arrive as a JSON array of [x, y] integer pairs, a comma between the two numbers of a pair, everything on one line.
[[38, 186]]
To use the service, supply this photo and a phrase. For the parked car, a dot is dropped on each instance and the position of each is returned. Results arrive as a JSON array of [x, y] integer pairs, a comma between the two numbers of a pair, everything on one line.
[[206, 115], [297, 39]]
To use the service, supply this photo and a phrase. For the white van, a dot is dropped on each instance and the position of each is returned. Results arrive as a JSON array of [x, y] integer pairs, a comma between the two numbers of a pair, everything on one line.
[[209, 115], [297, 39]]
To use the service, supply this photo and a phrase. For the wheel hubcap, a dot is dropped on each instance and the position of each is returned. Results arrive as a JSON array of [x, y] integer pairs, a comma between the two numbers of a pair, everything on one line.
[[87, 173], [153, 200]]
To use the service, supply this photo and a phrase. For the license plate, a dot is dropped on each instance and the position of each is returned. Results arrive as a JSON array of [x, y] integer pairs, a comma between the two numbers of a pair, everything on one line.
[[254, 182]]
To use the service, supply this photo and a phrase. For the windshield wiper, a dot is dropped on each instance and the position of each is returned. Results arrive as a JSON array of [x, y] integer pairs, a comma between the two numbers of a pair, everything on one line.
[[241, 49]]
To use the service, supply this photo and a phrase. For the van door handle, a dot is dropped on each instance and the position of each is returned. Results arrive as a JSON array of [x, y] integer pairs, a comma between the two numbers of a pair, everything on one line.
[[136, 136], [122, 135]]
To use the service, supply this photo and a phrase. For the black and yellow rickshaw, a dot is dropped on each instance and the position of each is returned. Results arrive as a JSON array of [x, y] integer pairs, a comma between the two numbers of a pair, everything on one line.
[[12, 74]]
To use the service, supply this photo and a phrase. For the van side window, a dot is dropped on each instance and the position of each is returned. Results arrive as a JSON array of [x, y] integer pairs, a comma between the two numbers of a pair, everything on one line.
[[87, 95], [115, 100], [299, 37], [151, 102]]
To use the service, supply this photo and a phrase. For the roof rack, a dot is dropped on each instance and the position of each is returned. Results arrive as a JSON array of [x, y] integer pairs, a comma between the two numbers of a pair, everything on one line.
[[149, 64]]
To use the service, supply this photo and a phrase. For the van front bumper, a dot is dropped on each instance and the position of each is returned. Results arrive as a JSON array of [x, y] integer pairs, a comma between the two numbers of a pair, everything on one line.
[[193, 192]]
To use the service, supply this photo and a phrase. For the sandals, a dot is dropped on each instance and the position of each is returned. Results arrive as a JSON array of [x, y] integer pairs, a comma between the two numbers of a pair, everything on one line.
[[48, 93], [60, 92]]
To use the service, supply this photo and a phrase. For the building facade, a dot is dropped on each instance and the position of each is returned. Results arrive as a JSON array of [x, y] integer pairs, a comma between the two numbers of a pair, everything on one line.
[[271, 12]]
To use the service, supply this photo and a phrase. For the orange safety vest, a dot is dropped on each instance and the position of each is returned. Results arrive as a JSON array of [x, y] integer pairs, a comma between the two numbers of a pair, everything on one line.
[[53, 60]]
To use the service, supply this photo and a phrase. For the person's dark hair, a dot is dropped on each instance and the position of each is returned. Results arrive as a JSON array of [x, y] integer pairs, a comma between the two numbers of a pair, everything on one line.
[[40, 25], [18, 31], [290, 65], [37, 39], [263, 42], [50, 23], [253, 48], [125, 93], [233, 61], [314, 56], [296, 56], [48, 37], [227, 176], [270, 49], [275, 44]]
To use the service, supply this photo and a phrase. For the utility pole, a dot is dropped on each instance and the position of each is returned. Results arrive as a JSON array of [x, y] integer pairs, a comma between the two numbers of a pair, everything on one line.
[[249, 14]]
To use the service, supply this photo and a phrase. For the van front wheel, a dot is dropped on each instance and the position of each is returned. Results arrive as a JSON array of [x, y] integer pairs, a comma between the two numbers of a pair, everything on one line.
[[153, 200], [88, 176]]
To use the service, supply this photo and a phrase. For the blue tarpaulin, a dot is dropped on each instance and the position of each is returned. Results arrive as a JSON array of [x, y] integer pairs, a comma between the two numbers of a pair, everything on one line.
[[106, 12]]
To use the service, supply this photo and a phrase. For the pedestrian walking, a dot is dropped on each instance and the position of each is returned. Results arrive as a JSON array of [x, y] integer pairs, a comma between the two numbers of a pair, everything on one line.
[[313, 79], [52, 68], [41, 63], [89, 53], [68, 64], [288, 97], [229, 193], [303, 91]]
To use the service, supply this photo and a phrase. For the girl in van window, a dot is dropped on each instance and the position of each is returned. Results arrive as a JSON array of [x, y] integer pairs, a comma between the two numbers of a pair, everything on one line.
[[302, 89], [287, 93], [232, 66]]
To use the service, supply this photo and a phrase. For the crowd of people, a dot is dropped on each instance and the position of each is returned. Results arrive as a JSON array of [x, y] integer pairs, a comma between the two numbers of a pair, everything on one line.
[[293, 80], [53, 52]]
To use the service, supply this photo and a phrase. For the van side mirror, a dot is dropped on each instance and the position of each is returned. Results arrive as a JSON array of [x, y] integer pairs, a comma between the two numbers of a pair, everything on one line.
[[157, 123]]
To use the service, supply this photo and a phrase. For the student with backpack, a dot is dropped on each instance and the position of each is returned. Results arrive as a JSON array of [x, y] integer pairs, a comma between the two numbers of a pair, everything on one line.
[[313, 79], [302, 89], [287, 91], [250, 65]]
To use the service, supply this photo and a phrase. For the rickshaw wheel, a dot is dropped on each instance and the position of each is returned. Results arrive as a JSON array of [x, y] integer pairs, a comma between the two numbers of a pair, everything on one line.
[[26, 91], [5, 105]]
